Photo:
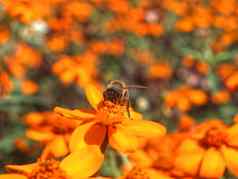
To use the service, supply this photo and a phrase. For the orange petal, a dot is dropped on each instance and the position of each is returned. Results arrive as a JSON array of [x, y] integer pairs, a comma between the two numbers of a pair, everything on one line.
[[26, 169], [74, 114], [39, 135], [189, 163], [231, 158], [33, 118], [76, 177], [83, 163], [144, 128], [12, 176], [156, 174], [94, 95], [135, 115], [213, 164], [141, 158], [233, 136], [87, 134], [122, 141], [100, 178], [57, 147], [188, 149], [188, 145]]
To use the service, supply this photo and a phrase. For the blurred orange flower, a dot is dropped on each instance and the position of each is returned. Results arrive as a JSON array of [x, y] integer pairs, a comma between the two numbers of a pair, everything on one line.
[[185, 97], [29, 87], [135, 19], [27, 11], [225, 70], [23, 59], [5, 84], [160, 71], [4, 35], [186, 122], [80, 10], [57, 42], [144, 56], [221, 97], [73, 69], [114, 47]]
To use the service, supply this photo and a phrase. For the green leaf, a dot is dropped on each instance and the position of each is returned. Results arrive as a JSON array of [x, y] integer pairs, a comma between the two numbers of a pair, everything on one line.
[[225, 56], [195, 54], [213, 81]]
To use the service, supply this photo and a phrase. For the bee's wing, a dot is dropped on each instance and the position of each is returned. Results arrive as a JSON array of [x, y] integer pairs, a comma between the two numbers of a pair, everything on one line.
[[137, 86]]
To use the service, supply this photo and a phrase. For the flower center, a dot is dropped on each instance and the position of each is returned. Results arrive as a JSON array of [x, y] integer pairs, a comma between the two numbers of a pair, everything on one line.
[[214, 137], [164, 161], [111, 113], [47, 169], [137, 173]]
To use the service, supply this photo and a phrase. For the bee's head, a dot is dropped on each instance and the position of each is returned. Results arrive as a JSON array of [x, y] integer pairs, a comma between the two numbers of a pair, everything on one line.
[[112, 94]]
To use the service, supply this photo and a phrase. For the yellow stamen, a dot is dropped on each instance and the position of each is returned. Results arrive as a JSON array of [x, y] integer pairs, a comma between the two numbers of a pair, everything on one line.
[[214, 137], [47, 169], [137, 173], [111, 113]]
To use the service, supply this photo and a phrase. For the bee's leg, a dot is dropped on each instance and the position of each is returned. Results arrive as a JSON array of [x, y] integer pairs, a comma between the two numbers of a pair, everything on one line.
[[126, 101], [128, 109]]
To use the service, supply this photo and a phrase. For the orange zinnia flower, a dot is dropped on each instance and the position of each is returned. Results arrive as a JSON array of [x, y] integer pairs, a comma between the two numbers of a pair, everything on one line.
[[148, 173], [211, 149], [186, 122], [4, 35], [50, 130], [114, 47], [160, 71], [73, 68], [5, 84], [221, 97], [109, 121], [27, 11], [184, 24], [78, 9], [157, 157], [225, 70], [144, 56], [232, 81], [29, 87], [78, 165], [57, 42], [185, 97], [224, 7], [23, 59], [144, 173]]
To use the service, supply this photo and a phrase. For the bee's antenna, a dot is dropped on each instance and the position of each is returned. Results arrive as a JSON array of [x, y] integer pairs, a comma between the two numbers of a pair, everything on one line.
[[136, 86]]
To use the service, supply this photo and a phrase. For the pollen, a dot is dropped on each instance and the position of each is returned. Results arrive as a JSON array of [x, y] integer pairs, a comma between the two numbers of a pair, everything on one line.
[[112, 113], [137, 173], [47, 169], [214, 137]]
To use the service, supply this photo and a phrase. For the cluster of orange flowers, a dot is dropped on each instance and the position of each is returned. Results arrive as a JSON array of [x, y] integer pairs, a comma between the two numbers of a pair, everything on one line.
[[77, 41], [81, 137], [205, 150], [195, 90], [62, 26], [75, 141]]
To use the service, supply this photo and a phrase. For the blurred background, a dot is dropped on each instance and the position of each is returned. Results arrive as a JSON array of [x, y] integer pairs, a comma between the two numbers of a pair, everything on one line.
[[183, 51]]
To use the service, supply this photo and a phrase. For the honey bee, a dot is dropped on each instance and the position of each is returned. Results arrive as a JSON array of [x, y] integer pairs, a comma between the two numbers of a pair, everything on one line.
[[117, 92]]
